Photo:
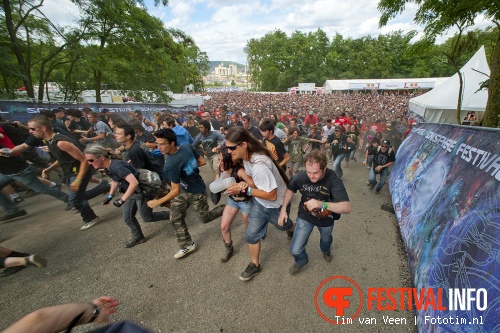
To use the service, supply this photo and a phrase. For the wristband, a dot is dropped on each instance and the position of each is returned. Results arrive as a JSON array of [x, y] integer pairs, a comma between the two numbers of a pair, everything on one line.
[[77, 181], [50, 166], [95, 314], [324, 206], [249, 191]]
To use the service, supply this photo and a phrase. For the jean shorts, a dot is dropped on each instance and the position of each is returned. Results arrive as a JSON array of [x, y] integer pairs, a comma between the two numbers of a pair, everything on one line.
[[244, 206]]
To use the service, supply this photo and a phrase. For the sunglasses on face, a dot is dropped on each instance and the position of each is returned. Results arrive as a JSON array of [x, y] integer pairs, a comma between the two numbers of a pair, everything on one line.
[[32, 129], [231, 148], [90, 161], [385, 146]]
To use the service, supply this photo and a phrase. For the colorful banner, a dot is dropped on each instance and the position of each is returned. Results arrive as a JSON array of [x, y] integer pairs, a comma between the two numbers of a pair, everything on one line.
[[445, 188], [23, 111]]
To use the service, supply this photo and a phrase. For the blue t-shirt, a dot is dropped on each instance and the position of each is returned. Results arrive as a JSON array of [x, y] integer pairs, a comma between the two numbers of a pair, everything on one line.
[[182, 168]]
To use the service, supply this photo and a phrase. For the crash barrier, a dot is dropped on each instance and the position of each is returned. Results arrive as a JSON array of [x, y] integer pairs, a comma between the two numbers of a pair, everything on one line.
[[446, 195], [23, 111]]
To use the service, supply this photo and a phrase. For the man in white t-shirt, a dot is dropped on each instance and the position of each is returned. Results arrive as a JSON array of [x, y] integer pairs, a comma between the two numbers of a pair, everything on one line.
[[326, 131]]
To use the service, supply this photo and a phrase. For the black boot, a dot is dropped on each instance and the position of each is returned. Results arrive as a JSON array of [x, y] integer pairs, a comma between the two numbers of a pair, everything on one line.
[[229, 252]]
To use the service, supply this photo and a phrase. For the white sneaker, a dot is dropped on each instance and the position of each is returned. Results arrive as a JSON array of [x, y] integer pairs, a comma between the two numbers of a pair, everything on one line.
[[90, 224], [182, 252]]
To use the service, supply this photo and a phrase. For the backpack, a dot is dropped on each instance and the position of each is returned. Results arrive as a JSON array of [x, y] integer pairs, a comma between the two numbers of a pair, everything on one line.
[[149, 181]]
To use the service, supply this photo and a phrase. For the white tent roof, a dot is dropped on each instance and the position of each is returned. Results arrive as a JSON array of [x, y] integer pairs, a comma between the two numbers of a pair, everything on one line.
[[383, 84], [440, 104]]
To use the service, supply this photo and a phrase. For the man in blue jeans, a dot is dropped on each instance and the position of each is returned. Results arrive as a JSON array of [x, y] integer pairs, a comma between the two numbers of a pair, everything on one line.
[[383, 158], [13, 168], [324, 198], [76, 170]]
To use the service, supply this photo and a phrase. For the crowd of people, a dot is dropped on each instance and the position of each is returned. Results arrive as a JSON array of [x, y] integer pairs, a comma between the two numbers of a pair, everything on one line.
[[262, 149]]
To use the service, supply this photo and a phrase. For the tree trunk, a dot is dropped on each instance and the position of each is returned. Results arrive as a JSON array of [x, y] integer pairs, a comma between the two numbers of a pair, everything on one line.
[[460, 94], [17, 49], [491, 116]]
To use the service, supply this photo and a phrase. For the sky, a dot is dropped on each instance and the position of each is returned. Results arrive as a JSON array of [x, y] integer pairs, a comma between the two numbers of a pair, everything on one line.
[[222, 28]]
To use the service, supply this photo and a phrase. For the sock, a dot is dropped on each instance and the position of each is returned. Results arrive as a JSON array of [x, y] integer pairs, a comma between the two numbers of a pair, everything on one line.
[[18, 254], [52, 184], [14, 196]]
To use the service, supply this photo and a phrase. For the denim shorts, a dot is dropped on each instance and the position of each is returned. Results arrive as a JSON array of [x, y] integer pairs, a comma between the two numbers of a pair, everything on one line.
[[244, 206], [260, 217]]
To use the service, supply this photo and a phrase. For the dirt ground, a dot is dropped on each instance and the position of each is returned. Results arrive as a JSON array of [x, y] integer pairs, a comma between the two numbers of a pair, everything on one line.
[[199, 293]]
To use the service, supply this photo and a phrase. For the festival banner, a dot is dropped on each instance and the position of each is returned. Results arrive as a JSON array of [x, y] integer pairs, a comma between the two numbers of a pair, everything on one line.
[[445, 188], [23, 111]]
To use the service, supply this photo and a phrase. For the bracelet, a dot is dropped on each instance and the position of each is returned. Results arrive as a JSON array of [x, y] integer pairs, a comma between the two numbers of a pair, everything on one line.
[[50, 166], [324, 206], [77, 181], [249, 191], [95, 314]]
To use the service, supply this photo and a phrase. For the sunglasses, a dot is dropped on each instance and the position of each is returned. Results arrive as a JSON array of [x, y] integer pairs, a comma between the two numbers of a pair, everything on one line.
[[385, 146], [32, 128], [231, 148], [90, 161]]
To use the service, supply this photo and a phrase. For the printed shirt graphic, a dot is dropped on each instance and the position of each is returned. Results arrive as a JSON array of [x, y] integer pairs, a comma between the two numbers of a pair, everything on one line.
[[295, 148], [276, 148]]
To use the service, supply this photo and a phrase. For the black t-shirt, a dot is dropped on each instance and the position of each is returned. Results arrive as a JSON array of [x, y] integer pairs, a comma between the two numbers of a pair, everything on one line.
[[329, 189], [33, 141], [140, 159], [276, 147], [11, 164], [315, 145], [340, 147], [381, 158], [69, 165], [216, 124], [145, 137], [119, 170], [82, 125], [16, 134], [182, 168]]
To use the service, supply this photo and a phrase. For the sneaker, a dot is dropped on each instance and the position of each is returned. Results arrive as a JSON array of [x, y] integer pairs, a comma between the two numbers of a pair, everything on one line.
[[327, 256], [18, 200], [185, 251], [36, 260], [289, 235], [8, 217], [250, 272], [11, 270], [90, 224], [377, 191], [68, 207], [295, 269], [368, 183], [133, 242], [372, 186]]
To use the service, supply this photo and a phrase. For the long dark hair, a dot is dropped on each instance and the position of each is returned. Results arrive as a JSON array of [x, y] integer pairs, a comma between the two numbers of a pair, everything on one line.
[[238, 134]]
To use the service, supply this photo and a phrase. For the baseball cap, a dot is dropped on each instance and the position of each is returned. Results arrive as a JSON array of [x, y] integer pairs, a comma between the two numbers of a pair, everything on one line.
[[338, 128], [310, 112], [386, 142]]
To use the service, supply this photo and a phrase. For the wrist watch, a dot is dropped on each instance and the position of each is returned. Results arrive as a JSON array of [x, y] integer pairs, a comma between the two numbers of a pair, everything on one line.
[[95, 314]]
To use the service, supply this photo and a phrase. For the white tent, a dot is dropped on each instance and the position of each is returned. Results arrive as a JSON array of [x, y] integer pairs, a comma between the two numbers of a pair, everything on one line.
[[440, 104]]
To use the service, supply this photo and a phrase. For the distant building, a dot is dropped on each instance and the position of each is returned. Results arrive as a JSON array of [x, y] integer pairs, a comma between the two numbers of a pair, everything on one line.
[[221, 70]]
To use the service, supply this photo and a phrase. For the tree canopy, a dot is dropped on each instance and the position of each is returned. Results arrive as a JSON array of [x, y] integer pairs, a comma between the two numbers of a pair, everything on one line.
[[439, 16], [112, 45]]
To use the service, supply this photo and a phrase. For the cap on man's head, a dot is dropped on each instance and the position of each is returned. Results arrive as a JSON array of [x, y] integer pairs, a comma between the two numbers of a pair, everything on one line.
[[386, 142], [338, 128], [104, 110], [311, 112]]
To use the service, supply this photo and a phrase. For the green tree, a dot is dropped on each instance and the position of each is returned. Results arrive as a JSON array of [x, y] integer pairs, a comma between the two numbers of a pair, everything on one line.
[[438, 16]]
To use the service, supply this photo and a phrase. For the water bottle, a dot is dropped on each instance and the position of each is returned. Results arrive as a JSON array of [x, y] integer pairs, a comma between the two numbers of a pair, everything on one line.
[[221, 184]]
